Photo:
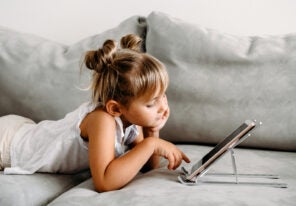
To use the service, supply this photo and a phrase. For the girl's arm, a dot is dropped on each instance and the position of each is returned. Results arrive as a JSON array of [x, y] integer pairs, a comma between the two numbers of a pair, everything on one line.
[[154, 160], [111, 173], [108, 172]]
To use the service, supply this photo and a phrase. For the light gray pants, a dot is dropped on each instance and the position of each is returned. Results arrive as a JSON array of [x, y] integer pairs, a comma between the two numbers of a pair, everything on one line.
[[8, 127]]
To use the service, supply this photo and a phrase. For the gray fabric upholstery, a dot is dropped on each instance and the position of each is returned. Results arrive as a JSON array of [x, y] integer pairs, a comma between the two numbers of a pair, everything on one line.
[[40, 79], [218, 80], [37, 189], [161, 187]]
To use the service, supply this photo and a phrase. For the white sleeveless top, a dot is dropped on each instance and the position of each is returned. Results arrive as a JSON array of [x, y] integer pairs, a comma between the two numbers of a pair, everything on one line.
[[57, 147]]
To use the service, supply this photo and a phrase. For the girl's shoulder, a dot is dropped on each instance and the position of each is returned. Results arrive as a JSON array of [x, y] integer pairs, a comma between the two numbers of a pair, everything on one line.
[[99, 113], [101, 117], [96, 119]]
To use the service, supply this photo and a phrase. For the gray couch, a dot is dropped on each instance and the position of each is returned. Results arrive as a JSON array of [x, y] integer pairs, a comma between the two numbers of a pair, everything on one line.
[[217, 81]]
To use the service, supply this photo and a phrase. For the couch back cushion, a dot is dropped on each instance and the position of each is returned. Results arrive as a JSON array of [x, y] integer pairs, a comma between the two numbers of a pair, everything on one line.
[[218, 80], [40, 79]]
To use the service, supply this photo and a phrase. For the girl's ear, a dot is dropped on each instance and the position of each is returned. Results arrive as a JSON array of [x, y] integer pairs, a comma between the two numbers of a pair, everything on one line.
[[113, 108]]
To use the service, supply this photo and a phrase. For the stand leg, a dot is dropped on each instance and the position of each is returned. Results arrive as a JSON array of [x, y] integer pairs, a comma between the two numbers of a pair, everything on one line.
[[234, 165]]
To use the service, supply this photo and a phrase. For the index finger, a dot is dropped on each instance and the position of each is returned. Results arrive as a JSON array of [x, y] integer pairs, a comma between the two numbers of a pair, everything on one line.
[[185, 158]]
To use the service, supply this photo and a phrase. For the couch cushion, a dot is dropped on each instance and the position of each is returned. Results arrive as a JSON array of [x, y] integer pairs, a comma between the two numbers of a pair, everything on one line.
[[218, 80], [40, 79], [37, 189], [161, 187]]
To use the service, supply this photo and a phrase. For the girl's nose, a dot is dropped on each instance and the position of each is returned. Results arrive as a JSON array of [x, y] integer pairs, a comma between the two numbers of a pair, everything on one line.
[[163, 104]]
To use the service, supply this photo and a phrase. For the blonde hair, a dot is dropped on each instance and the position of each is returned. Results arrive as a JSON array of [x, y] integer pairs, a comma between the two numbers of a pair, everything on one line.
[[122, 74]]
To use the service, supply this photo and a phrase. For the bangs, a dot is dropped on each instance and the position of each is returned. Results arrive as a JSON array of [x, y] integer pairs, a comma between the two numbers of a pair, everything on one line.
[[144, 75], [152, 78]]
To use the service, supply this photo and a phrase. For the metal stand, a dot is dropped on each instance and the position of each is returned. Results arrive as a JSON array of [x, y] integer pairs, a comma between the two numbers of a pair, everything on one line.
[[205, 177], [202, 178]]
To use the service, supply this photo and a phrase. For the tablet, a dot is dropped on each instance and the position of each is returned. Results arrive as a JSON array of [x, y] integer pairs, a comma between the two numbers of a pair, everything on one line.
[[228, 142]]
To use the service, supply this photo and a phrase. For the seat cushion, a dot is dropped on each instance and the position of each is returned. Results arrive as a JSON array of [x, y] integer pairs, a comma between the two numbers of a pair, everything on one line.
[[161, 187], [36, 189]]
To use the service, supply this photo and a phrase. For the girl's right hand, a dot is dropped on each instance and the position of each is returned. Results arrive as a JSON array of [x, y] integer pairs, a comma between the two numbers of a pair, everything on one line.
[[169, 151]]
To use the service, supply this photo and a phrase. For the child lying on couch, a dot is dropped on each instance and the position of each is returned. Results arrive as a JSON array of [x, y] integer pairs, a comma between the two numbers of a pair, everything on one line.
[[128, 109]]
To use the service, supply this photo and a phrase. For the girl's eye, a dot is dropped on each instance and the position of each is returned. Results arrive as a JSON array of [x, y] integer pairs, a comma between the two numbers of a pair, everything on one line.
[[149, 105]]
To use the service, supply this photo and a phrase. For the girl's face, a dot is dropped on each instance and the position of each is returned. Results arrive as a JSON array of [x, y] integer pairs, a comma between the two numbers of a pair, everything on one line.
[[146, 111]]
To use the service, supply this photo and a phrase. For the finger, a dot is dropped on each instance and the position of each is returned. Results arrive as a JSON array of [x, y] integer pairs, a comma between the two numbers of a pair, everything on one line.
[[171, 160], [178, 160], [185, 158], [167, 113]]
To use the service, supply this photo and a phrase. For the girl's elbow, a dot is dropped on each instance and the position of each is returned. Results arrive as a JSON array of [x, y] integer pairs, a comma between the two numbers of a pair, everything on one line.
[[105, 187], [102, 188]]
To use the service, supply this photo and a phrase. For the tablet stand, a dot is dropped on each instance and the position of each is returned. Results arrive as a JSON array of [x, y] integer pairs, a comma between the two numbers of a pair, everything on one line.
[[201, 178]]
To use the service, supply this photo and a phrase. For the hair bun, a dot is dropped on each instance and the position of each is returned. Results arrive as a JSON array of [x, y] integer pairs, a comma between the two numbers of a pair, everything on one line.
[[131, 41], [99, 59]]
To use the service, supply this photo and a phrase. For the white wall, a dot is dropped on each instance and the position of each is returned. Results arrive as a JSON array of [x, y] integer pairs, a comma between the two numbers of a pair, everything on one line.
[[68, 21]]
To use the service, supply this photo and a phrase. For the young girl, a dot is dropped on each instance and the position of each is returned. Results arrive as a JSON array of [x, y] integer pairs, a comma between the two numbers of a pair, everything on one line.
[[128, 109]]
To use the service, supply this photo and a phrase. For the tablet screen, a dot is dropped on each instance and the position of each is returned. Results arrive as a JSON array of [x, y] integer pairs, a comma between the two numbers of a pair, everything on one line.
[[221, 147], [224, 142]]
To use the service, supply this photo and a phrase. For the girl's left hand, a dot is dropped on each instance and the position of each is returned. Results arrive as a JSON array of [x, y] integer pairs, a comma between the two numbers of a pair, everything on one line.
[[164, 119]]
